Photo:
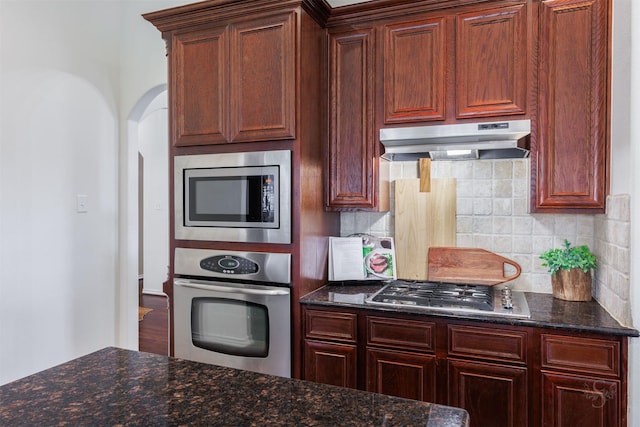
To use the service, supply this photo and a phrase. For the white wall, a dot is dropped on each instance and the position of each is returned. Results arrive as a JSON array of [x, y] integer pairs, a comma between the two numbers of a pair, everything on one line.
[[58, 139], [626, 68], [71, 75]]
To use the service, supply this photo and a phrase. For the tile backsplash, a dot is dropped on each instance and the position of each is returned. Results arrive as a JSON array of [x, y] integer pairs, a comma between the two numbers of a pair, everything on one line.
[[492, 213], [612, 248]]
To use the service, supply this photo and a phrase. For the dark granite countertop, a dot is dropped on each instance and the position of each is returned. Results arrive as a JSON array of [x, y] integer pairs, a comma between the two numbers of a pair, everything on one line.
[[121, 387], [546, 311]]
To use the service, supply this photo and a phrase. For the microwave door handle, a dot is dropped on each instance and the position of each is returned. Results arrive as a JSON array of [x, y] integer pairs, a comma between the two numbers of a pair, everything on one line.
[[229, 289]]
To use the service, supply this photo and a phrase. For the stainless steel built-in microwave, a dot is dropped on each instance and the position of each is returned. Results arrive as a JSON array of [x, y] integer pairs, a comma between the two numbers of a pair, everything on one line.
[[234, 197]]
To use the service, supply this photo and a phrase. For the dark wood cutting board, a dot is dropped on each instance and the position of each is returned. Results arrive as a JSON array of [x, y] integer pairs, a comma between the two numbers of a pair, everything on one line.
[[468, 265]]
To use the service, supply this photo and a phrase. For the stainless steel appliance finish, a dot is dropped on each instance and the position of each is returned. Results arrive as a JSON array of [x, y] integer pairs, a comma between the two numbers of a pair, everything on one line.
[[240, 319], [484, 140], [452, 297], [204, 166], [269, 267]]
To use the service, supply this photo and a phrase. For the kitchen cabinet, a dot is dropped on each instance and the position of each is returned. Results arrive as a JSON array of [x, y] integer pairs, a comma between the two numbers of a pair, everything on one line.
[[414, 71], [401, 358], [570, 160], [502, 374], [234, 82], [488, 374], [547, 61], [330, 349], [330, 363], [353, 166], [581, 383], [491, 62]]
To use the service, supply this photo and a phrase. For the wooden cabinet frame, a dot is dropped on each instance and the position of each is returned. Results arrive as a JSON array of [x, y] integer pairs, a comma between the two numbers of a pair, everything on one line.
[[502, 374]]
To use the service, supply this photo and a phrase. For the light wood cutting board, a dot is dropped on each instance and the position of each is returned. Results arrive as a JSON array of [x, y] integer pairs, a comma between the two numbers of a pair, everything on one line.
[[422, 220]]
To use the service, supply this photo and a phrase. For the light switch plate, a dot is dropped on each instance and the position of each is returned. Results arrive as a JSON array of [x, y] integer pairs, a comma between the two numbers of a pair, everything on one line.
[[82, 203]]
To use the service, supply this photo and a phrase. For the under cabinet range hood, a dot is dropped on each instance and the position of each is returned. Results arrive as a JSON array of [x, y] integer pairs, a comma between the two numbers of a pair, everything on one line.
[[468, 141]]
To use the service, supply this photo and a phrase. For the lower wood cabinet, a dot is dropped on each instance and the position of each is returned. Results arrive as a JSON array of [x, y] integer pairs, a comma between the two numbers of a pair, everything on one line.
[[573, 400], [581, 381], [330, 363], [493, 394], [503, 375], [403, 374]]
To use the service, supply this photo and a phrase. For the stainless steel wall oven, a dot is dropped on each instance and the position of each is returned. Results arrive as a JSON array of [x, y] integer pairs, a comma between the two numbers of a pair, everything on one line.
[[233, 309]]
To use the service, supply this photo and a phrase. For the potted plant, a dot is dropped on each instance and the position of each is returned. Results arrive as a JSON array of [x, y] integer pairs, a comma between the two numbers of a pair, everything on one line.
[[570, 269]]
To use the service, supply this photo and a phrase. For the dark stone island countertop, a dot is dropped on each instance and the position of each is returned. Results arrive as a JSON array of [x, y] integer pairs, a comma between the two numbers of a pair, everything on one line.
[[115, 387], [546, 311]]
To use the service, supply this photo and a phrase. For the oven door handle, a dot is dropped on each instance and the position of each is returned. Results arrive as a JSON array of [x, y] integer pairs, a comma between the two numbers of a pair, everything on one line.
[[229, 289]]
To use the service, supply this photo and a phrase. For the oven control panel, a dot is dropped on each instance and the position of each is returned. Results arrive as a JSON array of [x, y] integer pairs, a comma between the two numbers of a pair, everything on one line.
[[229, 264], [265, 267]]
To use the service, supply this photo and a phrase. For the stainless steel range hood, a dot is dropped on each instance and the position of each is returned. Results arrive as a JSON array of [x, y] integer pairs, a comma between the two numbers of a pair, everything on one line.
[[491, 140]]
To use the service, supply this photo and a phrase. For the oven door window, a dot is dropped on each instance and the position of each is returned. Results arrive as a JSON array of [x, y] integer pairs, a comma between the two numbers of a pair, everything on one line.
[[228, 326]]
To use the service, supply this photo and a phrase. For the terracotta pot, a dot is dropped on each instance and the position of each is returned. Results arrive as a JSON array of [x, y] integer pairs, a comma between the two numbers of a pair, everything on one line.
[[572, 285]]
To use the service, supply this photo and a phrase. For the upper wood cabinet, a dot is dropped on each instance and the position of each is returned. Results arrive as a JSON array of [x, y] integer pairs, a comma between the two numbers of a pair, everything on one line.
[[353, 149], [491, 62], [570, 163], [235, 82], [486, 78], [414, 71], [200, 88]]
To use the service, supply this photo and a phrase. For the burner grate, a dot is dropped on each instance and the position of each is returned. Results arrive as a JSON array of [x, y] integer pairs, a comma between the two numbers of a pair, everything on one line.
[[437, 294]]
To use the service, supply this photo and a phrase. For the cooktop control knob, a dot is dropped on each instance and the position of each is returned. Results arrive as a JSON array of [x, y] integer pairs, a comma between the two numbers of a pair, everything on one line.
[[507, 297]]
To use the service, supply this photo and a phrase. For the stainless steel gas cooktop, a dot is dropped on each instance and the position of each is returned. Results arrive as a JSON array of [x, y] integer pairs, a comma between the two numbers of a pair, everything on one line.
[[452, 297]]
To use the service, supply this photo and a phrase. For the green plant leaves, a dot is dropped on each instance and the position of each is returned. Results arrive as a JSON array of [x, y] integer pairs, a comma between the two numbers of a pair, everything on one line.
[[568, 258]]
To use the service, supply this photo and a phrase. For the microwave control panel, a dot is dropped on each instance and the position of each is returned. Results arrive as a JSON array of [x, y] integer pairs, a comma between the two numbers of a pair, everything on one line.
[[229, 264], [268, 208]]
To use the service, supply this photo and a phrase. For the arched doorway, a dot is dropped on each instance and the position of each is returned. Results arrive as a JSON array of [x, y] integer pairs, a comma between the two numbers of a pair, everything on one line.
[[143, 208]]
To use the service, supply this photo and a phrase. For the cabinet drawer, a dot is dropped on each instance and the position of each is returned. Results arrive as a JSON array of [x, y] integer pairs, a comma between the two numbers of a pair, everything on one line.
[[506, 345], [397, 333], [331, 325], [580, 354]]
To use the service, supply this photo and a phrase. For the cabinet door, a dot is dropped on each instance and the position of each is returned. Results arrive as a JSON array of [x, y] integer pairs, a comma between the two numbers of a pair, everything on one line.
[[263, 79], [352, 154], [414, 71], [579, 401], [493, 394], [199, 89], [572, 145], [491, 62], [330, 363], [403, 374]]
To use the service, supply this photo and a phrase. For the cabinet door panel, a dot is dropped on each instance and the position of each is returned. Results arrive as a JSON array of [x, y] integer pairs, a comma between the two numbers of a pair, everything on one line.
[[572, 132], [329, 363], [579, 401], [352, 155], [408, 375], [494, 395], [199, 87], [263, 79], [491, 62], [414, 76]]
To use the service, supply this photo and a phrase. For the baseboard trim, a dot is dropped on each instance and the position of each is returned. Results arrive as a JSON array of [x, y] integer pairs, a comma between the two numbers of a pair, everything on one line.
[[154, 292]]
